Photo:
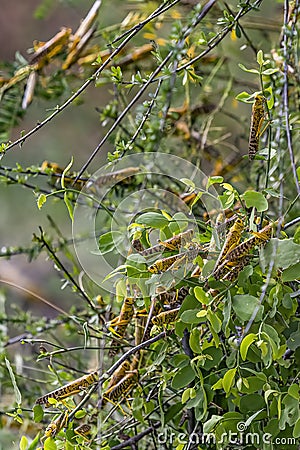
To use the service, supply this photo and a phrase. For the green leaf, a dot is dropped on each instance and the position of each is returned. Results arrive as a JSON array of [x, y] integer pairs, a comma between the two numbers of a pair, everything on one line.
[[153, 219], [191, 316], [260, 57], [23, 443], [251, 418], [196, 199], [137, 407], [269, 71], [244, 306], [201, 295], [34, 443], [38, 413], [272, 192], [213, 357], [195, 341], [245, 344], [241, 66], [49, 444], [188, 183], [173, 411], [215, 321], [218, 384], [62, 180], [228, 379], [42, 198], [290, 412], [183, 377], [296, 430], [69, 206], [185, 395], [17, 392], [252, 384], [287, 253], [209, 425], [293, 341], [179, 220], [214, 180], [293, 391], [179, 360], [297, 236], [238, 31], [291, 273], [255, 199], [252, 402], [243, 97], [270, 100], [109, 241], [271, 333], [80, 414]]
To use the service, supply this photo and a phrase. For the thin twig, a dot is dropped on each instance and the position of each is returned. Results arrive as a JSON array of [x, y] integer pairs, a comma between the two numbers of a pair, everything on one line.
[[291, 223], [217, 39], [131, 33], [189, 29], [250, 43], [123, 114], [60, 264], [147, 114], [285, 93], [136, 438], [33, 294]]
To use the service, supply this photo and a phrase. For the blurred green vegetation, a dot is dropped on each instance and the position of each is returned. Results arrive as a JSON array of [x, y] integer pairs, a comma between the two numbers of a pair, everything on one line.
[[191, 113]]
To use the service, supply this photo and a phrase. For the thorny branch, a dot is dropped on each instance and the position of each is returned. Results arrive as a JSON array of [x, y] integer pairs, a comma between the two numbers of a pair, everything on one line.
[[160, 10]]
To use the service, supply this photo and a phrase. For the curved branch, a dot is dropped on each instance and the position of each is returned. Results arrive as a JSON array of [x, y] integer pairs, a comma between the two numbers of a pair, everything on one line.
[[136, 438]]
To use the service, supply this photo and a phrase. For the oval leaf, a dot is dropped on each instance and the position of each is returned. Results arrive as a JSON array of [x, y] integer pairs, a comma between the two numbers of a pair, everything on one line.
[[50, 444], [255, 199], [241, 66], [260, 57], [109, 241], [183, 377], [201, 295], [244, 306], [153, 219], [291, 273], [245, 344], [42, 198], [38, 413], [287, 253], [23, 443], [214, 180], [228, 379], [191, 316], [296, 430]]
